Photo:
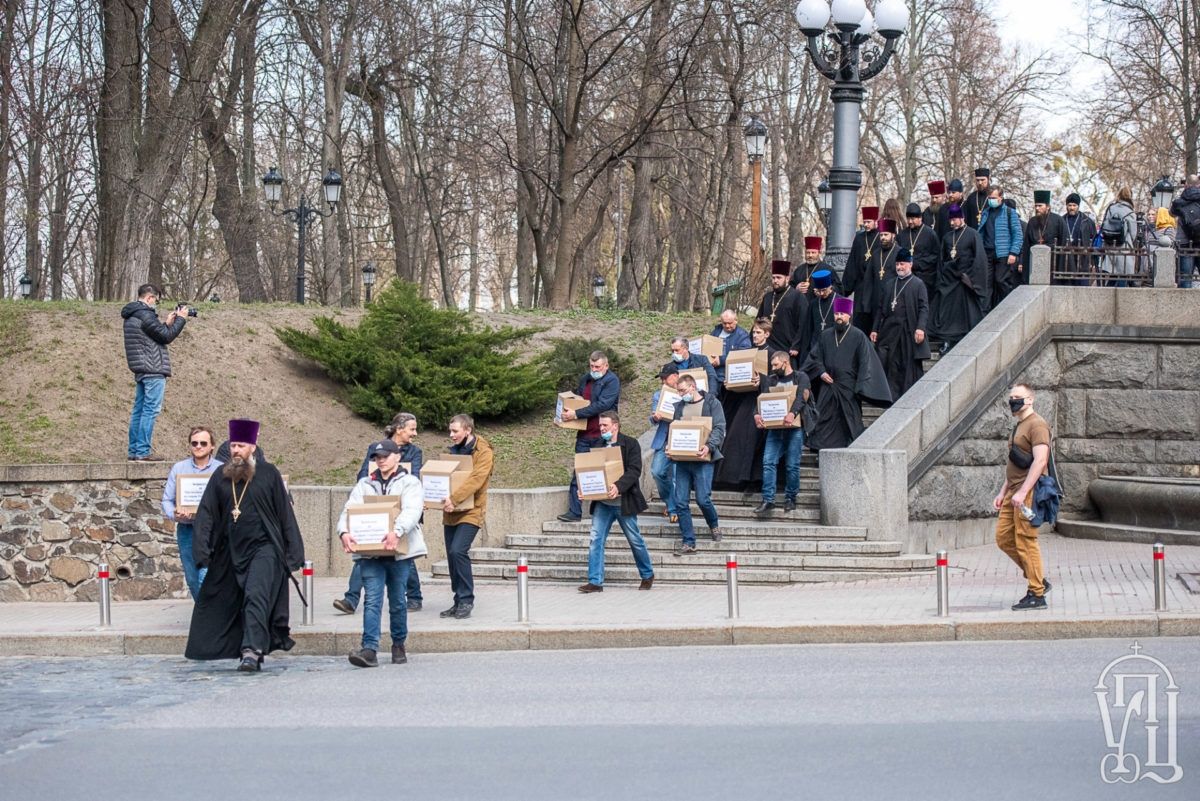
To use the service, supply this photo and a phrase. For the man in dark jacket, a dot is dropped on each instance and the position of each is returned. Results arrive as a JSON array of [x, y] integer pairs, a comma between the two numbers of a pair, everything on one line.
[[698, 475], [786, 442], [624, 503], [1186, 211], [146, 340], [602, 389], [733, 337]]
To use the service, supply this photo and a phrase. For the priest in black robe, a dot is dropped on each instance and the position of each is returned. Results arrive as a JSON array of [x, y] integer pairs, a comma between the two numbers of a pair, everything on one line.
[[845, 367], [961, 294], [1044, 228], [246, 535], [820, 308], [923, 243], [932, 215], [802, 275], [901, 325], [976, 202], [741, 468], [1081, 230], [862, 247], [786, 308], [878, 266]]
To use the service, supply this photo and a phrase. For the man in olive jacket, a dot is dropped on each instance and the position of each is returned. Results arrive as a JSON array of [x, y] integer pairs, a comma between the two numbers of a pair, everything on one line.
[[624, 503], [146, 340]]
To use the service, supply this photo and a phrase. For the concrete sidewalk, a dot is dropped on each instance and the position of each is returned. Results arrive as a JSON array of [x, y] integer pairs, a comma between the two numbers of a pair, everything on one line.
[[1101, 589]]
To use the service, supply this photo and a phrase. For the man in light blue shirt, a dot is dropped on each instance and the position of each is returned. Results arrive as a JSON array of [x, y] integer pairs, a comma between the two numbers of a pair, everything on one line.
[[201, 443]]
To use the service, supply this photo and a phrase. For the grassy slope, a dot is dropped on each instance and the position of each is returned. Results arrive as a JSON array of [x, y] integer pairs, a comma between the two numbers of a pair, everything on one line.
[[65, 392]]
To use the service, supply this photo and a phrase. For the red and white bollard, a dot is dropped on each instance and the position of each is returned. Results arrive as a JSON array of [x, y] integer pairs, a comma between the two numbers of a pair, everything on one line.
[[105, 595], [943, 583], [731, 586], [522, 589], [307, 574], [1160, 578]]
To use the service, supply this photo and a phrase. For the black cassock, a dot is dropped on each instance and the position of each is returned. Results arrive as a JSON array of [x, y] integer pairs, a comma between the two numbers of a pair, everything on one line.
[[902, 311], [1080, 233], [243, 602], [850, 360], [926, 249], [1050, 230], [787, 309], [741, 467], [820, 317], [938, 219], [865, 272], [961, 295], [973, 206], [804, 271]]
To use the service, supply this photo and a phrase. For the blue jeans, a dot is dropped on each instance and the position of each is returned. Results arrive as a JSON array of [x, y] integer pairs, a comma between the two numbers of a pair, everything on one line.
[[663, 470], [147, 403], [1186, 265], [191, 574], [788, 443], [377, 574], [698, 475], [602, 520], [355, 587], [582, 445]]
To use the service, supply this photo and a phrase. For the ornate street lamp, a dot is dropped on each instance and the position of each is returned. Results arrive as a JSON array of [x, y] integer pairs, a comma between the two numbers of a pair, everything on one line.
[[214, 298], [824, 203], [368, 272], [848, 55], [756, 145], [598, 285], [26, 286], [1163, 193], [304, 214]]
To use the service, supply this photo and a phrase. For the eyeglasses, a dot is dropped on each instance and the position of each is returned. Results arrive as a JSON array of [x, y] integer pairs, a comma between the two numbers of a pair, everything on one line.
[[198, 444]]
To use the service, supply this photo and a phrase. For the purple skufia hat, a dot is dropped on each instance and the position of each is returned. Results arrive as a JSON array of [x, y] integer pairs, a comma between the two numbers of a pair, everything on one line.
[[843, 305], [243, 431], [955, 212]]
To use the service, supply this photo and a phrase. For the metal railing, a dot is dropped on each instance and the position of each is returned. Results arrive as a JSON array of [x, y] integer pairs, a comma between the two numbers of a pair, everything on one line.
[[1187, 265], [1103, 266]]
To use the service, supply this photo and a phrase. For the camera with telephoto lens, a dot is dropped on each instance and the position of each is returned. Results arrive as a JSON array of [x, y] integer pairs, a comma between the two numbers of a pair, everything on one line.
[[183, 308]]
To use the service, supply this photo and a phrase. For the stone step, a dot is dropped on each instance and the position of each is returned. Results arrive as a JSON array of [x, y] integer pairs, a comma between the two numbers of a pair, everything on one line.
[[807, 497], [674, 575], [716, 558], [1122, 532], [533, 542], [746, 512], [765, 529]]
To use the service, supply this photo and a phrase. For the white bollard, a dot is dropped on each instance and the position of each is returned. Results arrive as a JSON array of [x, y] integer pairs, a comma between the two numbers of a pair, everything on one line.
[[522, 589], [731, 586], [105, 595], [307, 573], [943, 583], [1160, 578]]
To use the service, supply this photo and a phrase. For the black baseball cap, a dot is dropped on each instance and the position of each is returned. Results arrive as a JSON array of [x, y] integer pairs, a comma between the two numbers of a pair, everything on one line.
[[382, 447]]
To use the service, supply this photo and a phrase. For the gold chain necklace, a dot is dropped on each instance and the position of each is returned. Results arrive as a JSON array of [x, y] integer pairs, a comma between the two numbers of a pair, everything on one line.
[[237, 502], [867, 257], [954, 244], [837, 343]]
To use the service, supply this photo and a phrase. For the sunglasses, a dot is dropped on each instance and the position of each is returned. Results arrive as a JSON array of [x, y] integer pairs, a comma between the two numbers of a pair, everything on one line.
[[198, 444]]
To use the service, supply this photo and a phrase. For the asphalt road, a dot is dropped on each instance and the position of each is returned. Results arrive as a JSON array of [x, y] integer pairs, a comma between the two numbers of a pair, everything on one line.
[[994, 720]]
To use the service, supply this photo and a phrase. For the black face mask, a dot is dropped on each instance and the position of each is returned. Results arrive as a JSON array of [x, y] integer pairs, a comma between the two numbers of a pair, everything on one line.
[[1016, 404], [781, 372], [842, 326]]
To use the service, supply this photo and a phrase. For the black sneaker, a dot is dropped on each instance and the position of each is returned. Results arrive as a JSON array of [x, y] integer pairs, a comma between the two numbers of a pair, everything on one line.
[[448, 612], [789, 505], [364, 658], [251, 663], [463, 611], [343, 606], [399, 657], [414, 606], [1030, 601], [685, 548], [716, 534], [567, 517], [1045, 587], [763, 508]]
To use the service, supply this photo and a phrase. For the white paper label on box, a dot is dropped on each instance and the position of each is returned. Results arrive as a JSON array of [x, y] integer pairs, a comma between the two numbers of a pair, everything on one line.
[[667, 401], [369, 529], [437, 488], [695, 345], [592, 482], [773, 411], [739, 373], [702, 382], [558, 410], [685, 440], [189, 491]]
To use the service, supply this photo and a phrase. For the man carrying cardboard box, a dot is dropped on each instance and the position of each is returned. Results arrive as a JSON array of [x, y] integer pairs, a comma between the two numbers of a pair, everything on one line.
[[698, 474], [787, 440], [733, 337], [461, 527], [386, 572], [602, 389], [182, 509], [662, 468], [623, 502], [683, 359]]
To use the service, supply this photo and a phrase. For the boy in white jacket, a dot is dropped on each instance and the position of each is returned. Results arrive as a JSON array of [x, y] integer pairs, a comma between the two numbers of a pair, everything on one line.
[[378, 572]]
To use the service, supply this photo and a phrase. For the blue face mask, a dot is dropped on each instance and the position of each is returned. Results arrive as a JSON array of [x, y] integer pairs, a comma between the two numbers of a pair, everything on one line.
[[677, 357], [596, 375], [993, 203], [686, 398], [606, 436]]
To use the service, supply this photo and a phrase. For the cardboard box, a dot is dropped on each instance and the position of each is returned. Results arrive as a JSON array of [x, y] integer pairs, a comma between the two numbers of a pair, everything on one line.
[[701, 376], [667, 399], [369, 523], [440, 479], [740, 367], [189, 489], [597, 470], [567, 400], [685, 438], [707, 345], [773, 407]]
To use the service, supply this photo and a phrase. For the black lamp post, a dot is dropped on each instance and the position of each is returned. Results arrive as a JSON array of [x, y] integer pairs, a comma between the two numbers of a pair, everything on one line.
[[303, 215], [26, 286], [598, 285], [756, 146], [368, 272], [824, 203], [214, 298], [1163, 193]]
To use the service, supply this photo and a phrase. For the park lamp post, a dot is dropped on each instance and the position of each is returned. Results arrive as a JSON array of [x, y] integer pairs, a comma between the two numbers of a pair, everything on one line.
[[26, 286], [304, 214], [756, 145], [368, 272], [598, 285], [1163, 193], [824, 202], [849, 56]]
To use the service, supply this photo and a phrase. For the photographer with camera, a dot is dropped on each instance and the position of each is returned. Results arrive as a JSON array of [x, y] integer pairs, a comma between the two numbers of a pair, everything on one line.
[[146, 340]]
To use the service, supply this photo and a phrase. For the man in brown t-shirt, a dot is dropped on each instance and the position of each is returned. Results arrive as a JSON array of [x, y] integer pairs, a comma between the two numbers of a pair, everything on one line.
[[1028, 457]]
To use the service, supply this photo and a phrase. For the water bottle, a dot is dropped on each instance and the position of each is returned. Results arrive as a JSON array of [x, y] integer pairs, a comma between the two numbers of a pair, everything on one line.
[[1098, 239], [1027, 513]]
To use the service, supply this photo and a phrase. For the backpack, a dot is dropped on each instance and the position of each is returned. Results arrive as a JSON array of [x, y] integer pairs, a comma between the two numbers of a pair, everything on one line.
[[1113, 227], [1189, 218]]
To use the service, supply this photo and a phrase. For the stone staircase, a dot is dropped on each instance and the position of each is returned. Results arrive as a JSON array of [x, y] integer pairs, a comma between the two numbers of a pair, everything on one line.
[[782, 548]]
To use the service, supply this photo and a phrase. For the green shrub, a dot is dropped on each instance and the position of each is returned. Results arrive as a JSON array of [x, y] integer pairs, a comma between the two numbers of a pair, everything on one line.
[[407, 355], [567, 360]]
